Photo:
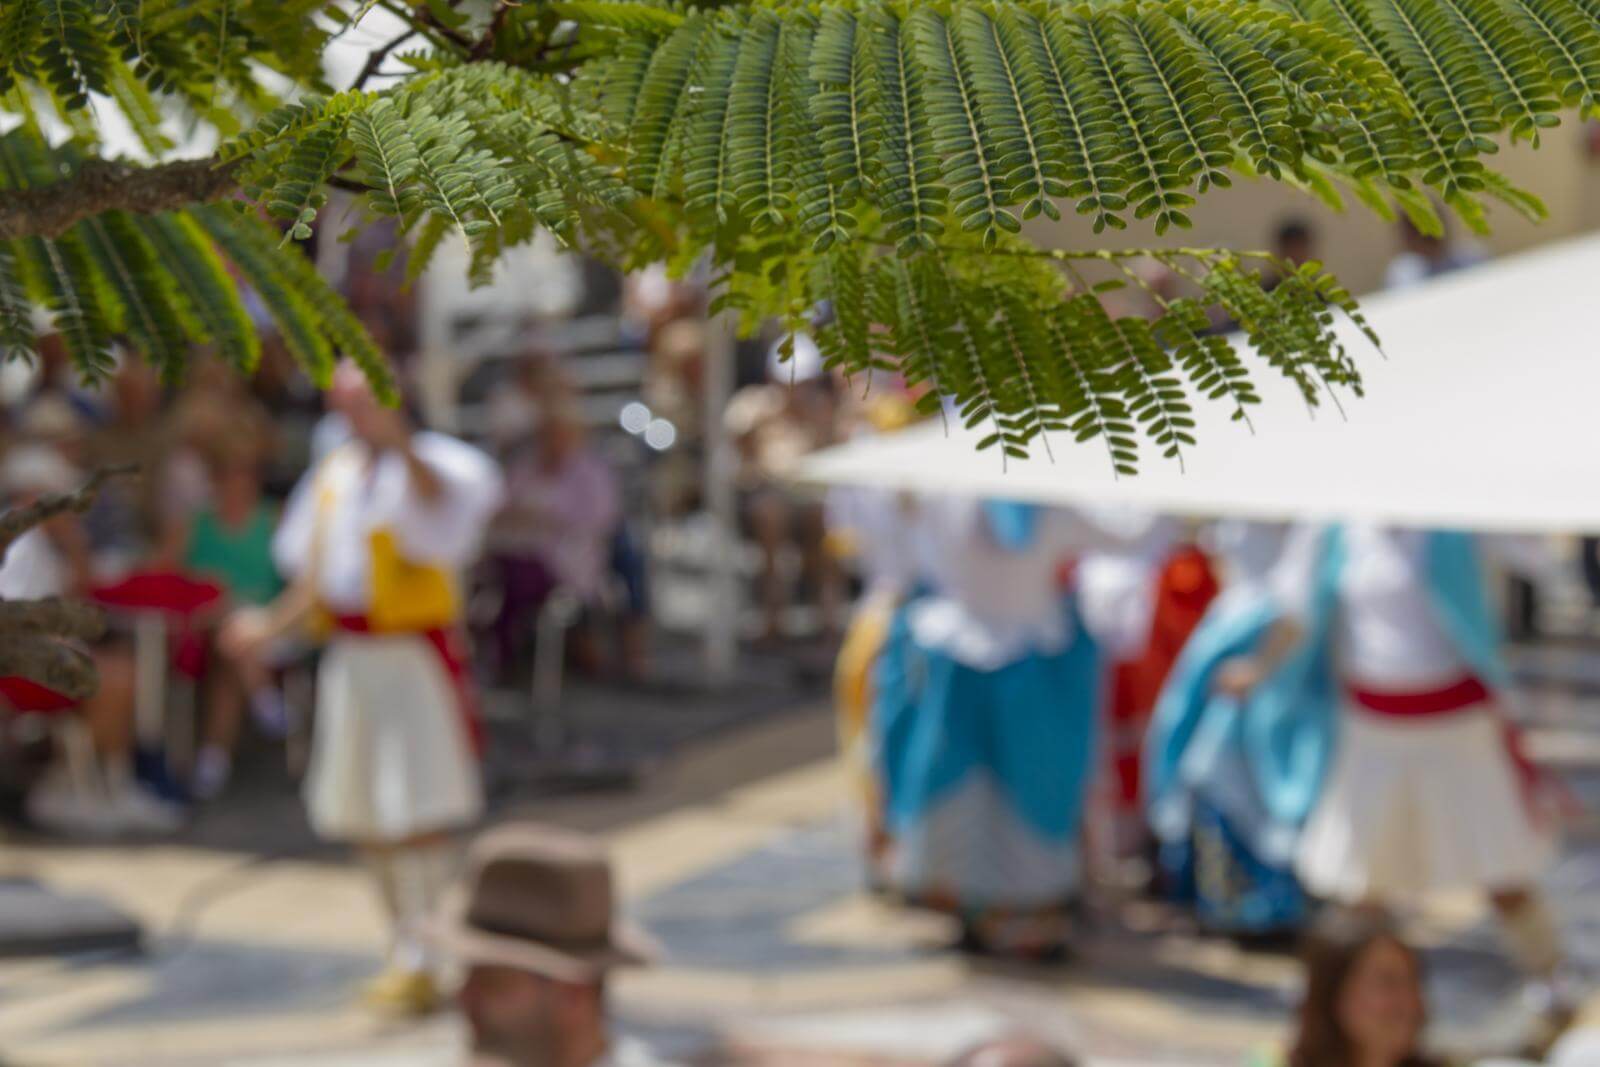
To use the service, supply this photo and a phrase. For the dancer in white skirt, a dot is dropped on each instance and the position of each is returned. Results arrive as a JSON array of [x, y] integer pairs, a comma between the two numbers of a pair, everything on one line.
[[373, 538], [1388, 644]]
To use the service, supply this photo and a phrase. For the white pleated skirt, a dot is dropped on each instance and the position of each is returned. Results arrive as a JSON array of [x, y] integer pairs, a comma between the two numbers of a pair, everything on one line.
[[391, 757], [1415, 806]]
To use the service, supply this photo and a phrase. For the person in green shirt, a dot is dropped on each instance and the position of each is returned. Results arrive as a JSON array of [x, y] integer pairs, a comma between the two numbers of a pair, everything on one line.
[[230, 541]]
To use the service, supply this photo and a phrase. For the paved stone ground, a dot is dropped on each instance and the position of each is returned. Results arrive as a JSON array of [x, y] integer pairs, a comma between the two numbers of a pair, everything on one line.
[[736, 853]]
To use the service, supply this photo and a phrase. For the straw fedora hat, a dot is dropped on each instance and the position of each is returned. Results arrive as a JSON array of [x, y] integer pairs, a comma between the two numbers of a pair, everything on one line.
[[540, 900]]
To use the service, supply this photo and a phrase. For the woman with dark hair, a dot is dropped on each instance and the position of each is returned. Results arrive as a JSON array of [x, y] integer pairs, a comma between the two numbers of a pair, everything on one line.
[[1364, 1003]]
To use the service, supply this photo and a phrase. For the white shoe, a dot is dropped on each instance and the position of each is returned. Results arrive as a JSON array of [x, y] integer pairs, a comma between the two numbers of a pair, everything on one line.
[[140, 812], [60, 806], [270, 713], [212, 769]]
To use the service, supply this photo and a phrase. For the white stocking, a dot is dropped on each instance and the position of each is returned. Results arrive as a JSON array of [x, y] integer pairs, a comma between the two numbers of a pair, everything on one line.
[[421, 875]]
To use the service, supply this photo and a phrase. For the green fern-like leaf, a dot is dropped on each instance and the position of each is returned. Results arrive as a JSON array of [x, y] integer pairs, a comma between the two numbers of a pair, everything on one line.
[[302, 173], [972, 168], [909, 194], [1176, 101], [137, 286], [1154, 179], [17, 340], [1090, 140], [752, 144], [844, 101], [662, 98], [1245, 91], [707, 186], [621, 15], [1569, 46], [20, 25], [211, 306], [311, 315], [1014, 107], [72, 51]]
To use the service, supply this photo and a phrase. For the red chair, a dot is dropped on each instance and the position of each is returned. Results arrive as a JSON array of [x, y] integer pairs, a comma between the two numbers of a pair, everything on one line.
[[165, 608], [24, 699]]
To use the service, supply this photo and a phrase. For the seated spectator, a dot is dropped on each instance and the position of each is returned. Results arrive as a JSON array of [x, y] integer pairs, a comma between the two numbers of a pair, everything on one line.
[[535, 383], [1423, 256], [537, 935], [556, 529], [229, 541], [1363, 1004], [773, 425], [53, 560]]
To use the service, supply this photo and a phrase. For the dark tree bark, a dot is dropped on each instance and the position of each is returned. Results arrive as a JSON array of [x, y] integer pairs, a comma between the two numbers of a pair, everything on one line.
[[35, 635], [103, 185]]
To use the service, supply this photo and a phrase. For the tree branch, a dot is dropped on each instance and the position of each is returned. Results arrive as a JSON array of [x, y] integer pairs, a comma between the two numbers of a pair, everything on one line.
[[486, 42], [67, 670], [18, 521], [52, 616], [103, 185], [378, 55]]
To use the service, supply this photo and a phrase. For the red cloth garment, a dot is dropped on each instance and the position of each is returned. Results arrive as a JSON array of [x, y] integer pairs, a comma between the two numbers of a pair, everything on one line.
[[1457, 696], [1184, 590], [450, 647], [1463, 693], [22, 695], [167, 591]]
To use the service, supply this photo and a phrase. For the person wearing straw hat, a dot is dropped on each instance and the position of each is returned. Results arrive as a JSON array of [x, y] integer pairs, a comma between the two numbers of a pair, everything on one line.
[[535, 928]]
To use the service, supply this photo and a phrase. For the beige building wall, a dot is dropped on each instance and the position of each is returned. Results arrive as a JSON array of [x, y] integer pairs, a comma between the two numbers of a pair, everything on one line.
[[1356, 244]]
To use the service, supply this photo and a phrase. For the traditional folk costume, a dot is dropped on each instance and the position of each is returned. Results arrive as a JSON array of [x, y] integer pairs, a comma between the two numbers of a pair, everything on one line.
[[394, 745], [1141, 603], [1422, 791], [1425, 789], [1219, 850], [983, 724], [879, 527], [877, 530]]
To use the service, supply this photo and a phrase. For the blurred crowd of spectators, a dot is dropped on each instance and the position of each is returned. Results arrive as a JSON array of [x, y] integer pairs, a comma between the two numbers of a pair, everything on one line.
[[217, 453]]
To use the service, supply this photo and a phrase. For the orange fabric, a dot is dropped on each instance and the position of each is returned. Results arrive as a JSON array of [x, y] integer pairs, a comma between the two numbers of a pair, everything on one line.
[[1184, 590]]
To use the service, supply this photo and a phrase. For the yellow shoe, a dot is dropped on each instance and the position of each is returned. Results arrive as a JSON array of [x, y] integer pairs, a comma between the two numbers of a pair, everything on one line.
[[407, 994]]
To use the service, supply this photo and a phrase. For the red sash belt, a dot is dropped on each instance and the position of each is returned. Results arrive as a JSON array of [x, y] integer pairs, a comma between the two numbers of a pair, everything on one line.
[[1466, 693], [1417, 703], [448, 645]]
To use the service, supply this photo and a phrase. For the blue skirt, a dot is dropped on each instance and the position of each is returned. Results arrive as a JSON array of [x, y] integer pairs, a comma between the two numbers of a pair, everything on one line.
[[1231, 889], [984, 773]]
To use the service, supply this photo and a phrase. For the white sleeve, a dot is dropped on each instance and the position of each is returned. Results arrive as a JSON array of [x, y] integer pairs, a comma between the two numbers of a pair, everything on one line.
[[1113, 529], [297, 527], [1293, 578], [1117, 596], [448, 529]]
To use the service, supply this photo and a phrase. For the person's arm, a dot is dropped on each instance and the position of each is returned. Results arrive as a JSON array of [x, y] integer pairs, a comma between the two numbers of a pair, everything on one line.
[[247, 633], [424, 479], [447, 528], [1238, 677], [1291, 584], [70, 539]]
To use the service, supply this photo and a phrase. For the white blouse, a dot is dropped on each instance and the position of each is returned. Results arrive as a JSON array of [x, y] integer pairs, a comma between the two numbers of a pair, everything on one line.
[[882, 524], [993, 605], [1387, 636], [368, 495]]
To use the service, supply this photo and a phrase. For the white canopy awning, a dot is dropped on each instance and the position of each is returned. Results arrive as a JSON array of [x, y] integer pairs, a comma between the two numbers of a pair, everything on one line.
[[1485, 415]]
